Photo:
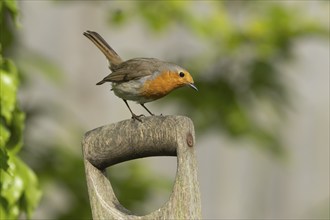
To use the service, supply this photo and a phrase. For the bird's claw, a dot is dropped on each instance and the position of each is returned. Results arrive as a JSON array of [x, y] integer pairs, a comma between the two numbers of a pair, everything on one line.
[[137, 117]]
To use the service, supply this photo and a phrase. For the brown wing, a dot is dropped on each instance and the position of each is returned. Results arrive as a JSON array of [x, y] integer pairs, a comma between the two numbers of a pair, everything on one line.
[[133, 69]]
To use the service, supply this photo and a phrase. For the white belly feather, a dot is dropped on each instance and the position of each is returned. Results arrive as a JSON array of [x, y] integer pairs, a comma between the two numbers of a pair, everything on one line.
[[130, 90]]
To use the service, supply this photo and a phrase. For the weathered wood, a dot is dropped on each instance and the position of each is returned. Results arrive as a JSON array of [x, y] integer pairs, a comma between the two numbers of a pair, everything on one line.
[[130, 139]]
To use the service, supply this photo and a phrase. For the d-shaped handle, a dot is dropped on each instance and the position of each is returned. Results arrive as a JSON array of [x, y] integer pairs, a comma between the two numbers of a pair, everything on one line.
[[130, 139]]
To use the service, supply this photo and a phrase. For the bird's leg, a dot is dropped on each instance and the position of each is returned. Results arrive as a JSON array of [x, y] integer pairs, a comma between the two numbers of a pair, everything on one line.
[[146, 109], [134, 116]]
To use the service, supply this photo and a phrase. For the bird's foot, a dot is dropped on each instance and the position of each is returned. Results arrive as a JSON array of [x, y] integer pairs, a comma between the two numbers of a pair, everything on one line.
[[137, 117]]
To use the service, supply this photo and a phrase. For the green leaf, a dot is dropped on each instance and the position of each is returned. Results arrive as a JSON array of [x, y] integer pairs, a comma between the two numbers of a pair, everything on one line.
[[7, 212], [12, 185], [19, 191], [8, 17], [17, 126], [19, 188], [31, 193], [12, 119], [8, 89], [4, 136], [3, 160]]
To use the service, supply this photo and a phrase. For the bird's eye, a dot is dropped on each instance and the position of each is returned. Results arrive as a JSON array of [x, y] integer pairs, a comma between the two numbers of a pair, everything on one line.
[[181, 74]]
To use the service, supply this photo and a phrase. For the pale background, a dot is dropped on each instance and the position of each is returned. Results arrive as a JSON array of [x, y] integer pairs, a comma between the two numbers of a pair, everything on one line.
[[237, 181]]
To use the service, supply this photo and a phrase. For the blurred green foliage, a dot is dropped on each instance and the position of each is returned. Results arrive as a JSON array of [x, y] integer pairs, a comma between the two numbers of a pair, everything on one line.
[[9, 19], [242, 91], [133, 184], [59, 167], [19, 189], [55, 163]]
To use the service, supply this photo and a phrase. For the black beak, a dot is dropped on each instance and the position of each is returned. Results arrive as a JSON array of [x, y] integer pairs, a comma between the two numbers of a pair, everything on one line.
[[192, 85]]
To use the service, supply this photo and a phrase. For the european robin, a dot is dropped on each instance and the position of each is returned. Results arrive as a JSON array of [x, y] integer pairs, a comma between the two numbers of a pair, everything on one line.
[[140, 79]]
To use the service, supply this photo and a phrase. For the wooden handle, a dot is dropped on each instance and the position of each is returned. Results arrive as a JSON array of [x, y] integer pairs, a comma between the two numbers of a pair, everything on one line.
[[131, 139]]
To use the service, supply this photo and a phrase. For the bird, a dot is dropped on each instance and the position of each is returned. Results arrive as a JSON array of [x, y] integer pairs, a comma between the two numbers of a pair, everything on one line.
[[140, 79]]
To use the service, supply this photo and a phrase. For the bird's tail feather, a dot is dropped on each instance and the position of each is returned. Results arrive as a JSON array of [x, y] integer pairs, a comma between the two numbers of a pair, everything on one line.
[[111, 55]]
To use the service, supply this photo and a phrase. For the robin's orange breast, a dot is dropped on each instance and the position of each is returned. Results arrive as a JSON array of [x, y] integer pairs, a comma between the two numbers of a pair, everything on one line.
[[161, 85]]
